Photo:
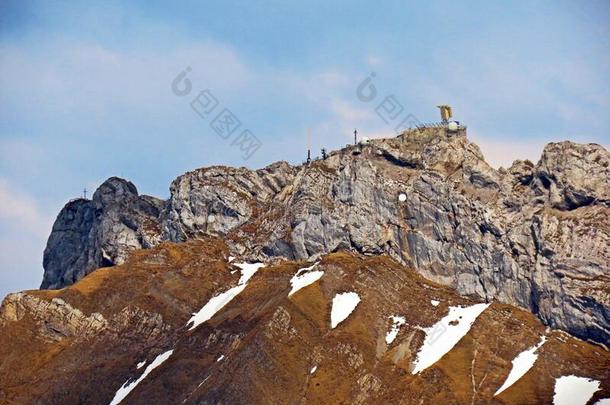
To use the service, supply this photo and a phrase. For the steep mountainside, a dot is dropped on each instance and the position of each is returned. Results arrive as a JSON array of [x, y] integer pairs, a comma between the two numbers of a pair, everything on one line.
[[289, 335], [534, 236], [100, 232]]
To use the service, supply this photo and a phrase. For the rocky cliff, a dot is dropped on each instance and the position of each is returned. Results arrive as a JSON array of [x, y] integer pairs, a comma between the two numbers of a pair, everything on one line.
[[100, 232], [534, 235]]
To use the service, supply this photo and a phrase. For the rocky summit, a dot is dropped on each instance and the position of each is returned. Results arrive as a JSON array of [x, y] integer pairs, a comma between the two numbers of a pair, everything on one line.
[[402, 270], [534, 235]]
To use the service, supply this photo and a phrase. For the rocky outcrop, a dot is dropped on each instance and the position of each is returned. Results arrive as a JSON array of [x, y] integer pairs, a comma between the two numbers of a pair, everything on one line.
[[219, 199], [56, 319], [533, 235], [574, 175], [100, 232]]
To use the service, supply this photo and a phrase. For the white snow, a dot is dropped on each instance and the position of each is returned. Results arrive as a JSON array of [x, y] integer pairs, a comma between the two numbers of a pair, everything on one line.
[[127, 388], [141, 364], [343, 305], [313, 369], [231, 258], [222, 356], [397, 322], [304, 277], [216, 303], [434, 303], [603, 401], [248, 270], [521, 365], [442, 336], [572, 390]]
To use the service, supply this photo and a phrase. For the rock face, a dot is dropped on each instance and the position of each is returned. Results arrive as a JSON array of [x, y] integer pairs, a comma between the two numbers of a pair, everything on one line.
[[56, 318], [88, 234], [533, 235]]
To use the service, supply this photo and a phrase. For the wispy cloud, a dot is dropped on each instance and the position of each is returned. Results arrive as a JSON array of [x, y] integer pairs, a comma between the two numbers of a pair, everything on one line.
[[71, 77], [25, 228], [18, 209]]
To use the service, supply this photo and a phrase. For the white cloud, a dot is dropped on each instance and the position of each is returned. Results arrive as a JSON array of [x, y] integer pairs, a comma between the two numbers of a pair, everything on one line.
[[80, 81], [20, 210], [24, 233], [71, 76], [20, 260]]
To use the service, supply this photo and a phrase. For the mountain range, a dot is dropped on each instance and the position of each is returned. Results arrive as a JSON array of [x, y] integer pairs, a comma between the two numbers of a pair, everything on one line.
[[398, 270]]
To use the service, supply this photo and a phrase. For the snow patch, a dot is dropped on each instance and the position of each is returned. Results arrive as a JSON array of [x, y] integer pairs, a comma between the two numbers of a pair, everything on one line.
[[231, 258], [521, 365], [248, 270], [216, 303], [304, 277], [572, 390], [434, 303], [397, 322], [343, 305], [222, 356], [141, 364], [446, 333], [402, 197], [127, 388], [603, 401], [313, 369]]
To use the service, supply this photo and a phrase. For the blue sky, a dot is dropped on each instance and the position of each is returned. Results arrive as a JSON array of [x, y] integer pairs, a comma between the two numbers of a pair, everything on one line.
[[85, 88]]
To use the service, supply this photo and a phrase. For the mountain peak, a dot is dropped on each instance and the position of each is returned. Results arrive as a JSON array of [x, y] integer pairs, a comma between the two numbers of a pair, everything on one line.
[[426, 198], [113, 190]]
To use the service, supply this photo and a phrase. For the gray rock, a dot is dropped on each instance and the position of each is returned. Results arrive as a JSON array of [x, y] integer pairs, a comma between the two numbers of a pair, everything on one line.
[[574, 175], [101, 232], [534, 235]]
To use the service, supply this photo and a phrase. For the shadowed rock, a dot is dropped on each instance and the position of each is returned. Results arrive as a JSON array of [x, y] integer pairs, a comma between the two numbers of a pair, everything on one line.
[[88, 234]]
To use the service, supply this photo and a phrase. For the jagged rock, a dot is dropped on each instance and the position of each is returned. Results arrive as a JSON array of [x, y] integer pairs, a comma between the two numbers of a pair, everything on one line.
[[574, 175], [56, 318], [523, 171], [218, 199], [533, 235], [101, 232]]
